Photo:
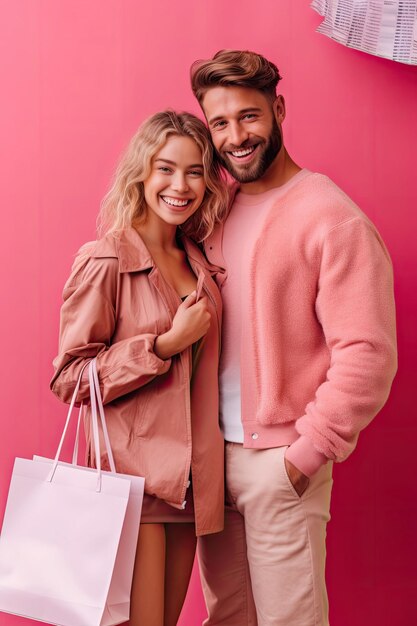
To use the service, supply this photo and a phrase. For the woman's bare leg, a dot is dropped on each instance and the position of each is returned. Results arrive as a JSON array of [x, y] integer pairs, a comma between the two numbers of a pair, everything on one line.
[[179, 558], [147, 598]]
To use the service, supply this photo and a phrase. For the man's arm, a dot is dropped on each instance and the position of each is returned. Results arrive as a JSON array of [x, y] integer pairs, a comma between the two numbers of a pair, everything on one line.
[[355, 306]]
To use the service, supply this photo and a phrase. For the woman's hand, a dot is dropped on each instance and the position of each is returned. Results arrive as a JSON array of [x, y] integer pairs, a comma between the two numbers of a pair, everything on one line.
[[191, 322]]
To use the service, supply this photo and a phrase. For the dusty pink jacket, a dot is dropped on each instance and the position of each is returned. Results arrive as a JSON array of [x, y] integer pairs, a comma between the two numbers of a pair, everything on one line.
[[115, 304], [318, 347]]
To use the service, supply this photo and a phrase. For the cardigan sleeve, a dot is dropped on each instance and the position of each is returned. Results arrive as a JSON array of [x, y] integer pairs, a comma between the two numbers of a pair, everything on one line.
[[88, 320], [355, 306]]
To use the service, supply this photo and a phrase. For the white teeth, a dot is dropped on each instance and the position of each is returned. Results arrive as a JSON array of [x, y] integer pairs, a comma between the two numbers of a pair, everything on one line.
[[174, 201], [241, 153]]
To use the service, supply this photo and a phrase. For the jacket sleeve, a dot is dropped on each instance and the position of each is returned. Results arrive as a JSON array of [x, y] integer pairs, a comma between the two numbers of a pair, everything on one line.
[[355, 306], [88, 320]]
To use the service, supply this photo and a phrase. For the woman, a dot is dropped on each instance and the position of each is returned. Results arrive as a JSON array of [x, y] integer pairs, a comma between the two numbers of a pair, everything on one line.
[[142, 300]]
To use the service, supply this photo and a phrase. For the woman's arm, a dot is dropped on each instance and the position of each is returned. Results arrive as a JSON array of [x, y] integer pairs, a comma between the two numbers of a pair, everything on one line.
[[88, 321]]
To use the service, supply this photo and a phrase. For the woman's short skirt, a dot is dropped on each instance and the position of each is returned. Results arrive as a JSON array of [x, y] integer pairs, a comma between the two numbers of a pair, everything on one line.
[[156, 511]]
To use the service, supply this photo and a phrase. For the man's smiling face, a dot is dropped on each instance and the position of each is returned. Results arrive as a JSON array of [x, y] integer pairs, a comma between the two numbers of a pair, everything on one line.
[[244, 129]]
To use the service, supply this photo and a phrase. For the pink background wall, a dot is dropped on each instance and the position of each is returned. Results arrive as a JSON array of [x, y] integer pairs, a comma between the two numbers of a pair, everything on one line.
[[77, 77]]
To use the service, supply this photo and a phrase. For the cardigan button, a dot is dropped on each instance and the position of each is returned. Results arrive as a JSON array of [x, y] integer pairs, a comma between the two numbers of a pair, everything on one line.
[[254, 435]]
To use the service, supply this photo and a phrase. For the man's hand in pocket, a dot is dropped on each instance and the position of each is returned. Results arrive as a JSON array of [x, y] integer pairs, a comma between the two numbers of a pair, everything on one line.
[[298, 480]]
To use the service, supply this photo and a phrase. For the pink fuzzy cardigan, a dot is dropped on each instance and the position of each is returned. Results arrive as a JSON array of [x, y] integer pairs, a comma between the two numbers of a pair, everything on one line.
[[318, 348]]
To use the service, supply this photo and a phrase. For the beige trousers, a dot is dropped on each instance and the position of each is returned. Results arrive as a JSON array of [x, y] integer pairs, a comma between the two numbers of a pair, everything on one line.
[[267, 567]]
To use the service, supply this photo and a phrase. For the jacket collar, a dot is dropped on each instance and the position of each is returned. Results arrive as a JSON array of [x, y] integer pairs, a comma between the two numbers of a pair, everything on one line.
[[133, 255], [213, 245], [194, 253]]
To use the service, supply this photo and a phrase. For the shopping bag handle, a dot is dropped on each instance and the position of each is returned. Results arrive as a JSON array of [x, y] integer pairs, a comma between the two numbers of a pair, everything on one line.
[[64, 433], [95, 391], [77, 435], [95, 398], [94, 421]]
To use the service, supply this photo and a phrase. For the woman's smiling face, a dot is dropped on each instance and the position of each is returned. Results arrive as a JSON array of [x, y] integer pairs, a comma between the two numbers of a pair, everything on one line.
[[175, 188]]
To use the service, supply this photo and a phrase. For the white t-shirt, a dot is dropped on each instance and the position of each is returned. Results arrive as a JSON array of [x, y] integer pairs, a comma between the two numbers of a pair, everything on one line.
[[240, 233]]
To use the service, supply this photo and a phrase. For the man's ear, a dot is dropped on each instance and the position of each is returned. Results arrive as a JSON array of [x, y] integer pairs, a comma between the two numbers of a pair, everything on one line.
[[279, 109]]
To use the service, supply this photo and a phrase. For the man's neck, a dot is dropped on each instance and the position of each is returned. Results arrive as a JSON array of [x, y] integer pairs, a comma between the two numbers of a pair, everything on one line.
[[281, 170]]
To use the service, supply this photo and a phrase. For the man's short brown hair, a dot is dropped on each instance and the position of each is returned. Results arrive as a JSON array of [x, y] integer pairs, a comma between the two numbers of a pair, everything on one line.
[[234, 68]]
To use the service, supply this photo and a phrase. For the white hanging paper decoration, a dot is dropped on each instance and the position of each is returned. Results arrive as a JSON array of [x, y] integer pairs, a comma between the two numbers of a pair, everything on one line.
[[386, 28]]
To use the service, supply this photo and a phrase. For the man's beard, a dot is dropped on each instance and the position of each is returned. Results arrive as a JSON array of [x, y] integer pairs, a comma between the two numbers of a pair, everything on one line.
[[255, 171]]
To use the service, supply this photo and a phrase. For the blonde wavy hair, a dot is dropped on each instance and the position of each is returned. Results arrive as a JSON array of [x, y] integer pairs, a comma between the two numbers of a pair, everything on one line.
[[125, 201]]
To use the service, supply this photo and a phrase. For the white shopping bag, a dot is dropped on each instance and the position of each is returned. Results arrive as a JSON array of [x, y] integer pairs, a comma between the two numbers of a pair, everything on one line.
[[69, 537]]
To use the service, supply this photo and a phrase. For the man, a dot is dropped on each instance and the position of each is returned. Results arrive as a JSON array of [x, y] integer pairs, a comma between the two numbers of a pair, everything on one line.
[[308, 354]]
